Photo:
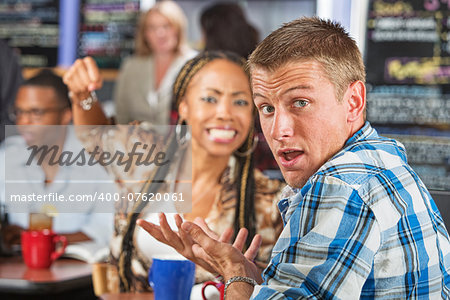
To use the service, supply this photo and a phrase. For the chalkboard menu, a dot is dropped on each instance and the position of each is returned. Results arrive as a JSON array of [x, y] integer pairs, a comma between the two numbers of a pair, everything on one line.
[[107, 30], [408, 74], [32, 27]]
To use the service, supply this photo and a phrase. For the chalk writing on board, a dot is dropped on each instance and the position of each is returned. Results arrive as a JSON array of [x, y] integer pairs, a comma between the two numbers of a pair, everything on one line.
[[31, 26], [430, 158], [408, 75], [418, 70], [107, 30], [399, 109]]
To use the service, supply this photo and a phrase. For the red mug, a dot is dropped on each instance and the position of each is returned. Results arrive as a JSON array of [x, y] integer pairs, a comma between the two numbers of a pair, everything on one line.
[[218, 285], [39, 247]]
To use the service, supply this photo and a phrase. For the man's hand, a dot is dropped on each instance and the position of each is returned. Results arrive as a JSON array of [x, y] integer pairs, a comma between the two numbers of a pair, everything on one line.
[[201, 245], [227, 259], [181, 241]]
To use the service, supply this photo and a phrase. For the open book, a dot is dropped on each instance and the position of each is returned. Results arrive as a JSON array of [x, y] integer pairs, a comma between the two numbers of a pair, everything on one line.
[[89, 251]]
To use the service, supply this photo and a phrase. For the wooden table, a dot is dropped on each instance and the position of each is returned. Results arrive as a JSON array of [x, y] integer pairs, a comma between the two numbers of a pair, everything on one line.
[[127, 296], [65, 279]]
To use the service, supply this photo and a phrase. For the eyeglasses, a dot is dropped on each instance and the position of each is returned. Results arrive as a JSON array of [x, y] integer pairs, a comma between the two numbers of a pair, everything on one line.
[[35, 114]]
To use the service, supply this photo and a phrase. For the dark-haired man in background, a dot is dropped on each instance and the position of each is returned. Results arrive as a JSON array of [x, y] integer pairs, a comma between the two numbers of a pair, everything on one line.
[[43, 100]]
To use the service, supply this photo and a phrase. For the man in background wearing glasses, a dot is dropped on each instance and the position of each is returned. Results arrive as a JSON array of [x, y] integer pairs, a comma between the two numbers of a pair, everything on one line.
[[43, 100]]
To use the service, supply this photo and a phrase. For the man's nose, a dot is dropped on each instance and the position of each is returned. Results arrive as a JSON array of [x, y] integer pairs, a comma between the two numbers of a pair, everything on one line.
[[24, 118], [282, 126]]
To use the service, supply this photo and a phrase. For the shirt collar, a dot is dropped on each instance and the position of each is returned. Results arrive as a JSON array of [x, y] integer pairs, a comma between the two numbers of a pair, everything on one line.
[[362, 134], [290, 196]]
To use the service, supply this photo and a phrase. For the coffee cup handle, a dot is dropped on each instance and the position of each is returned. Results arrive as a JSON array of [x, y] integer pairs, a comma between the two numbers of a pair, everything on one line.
[[150, 277], [217, 285], [62, 240]]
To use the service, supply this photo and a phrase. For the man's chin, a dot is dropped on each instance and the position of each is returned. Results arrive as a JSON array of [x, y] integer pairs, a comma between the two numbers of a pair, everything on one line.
[[294, 179], [29, 140]]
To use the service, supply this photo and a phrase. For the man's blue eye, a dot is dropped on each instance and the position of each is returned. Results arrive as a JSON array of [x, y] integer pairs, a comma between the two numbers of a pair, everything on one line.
[[300, 103], [267, 109]]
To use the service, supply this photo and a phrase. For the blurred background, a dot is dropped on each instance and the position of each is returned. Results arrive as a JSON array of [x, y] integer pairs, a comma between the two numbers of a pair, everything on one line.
[[405, 45]]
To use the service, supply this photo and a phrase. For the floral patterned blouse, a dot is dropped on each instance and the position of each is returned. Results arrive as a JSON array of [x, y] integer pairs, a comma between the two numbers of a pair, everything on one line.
[[220, 217]]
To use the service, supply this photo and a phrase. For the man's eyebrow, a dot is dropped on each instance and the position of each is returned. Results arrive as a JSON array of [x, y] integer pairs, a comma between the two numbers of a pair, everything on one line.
[[258, 95], [298, 87]]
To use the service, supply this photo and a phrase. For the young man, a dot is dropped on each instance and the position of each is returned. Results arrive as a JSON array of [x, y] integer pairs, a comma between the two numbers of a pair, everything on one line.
[[42, 110], [359, 223]]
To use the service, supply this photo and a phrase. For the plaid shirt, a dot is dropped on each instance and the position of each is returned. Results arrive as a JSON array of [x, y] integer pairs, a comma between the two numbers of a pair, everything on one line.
[[363, 226]]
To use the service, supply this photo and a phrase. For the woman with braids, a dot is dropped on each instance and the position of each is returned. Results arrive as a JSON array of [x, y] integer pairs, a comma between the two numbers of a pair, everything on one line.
[[212, 95]]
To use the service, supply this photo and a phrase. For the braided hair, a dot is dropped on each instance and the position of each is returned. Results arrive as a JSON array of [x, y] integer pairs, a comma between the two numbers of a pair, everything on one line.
[[244, 215]]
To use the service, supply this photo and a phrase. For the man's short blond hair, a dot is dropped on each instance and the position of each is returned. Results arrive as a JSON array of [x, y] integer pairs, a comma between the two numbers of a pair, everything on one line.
[[176, 17], [306, 39]]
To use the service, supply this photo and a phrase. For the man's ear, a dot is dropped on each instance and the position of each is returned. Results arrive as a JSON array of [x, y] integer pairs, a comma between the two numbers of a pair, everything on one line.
[[183, 109], [356, 101]]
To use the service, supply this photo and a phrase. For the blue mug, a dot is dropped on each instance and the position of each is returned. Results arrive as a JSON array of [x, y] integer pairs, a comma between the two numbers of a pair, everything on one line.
[[171, 277]]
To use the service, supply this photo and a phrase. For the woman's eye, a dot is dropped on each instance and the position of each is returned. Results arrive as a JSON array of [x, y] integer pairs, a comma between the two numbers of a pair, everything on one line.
[[300, 103], [267, 109], [209, 99], [241, 102]]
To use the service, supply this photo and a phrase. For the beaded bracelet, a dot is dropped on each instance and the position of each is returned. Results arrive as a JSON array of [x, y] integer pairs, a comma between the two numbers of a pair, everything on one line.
[[238, 279], [86, 104]]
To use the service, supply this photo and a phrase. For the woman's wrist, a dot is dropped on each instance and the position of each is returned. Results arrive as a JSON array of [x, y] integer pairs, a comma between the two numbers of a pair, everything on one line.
[[84, 100], [76, 97]]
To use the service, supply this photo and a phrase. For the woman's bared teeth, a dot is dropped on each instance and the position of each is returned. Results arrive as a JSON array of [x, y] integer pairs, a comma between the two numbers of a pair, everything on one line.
[[222, 133]]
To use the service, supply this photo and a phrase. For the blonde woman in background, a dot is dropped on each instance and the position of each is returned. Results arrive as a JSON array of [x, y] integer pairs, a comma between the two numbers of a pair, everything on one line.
[[143, 89]]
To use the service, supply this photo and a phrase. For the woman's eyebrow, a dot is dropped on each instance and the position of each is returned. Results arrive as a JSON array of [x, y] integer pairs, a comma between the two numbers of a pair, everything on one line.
[[216, 91], [238, 93]]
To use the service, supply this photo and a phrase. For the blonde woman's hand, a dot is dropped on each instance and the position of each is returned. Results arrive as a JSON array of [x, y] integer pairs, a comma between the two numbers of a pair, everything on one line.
[[82, 78]]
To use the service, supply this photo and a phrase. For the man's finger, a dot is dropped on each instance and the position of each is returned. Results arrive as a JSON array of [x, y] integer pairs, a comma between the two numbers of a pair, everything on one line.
[[226, 236], [241, 237], [153, 230], [252, 250], [184, 236], [201, 222], [200, 237], [178, 220], [168, 233]]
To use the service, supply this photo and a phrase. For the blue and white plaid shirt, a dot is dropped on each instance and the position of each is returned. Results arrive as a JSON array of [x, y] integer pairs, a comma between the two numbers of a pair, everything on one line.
[[363, 226]]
